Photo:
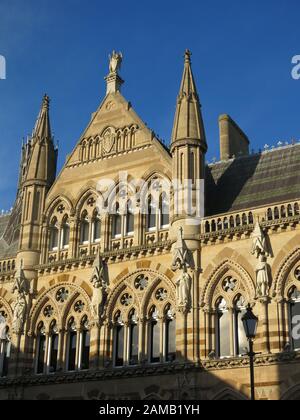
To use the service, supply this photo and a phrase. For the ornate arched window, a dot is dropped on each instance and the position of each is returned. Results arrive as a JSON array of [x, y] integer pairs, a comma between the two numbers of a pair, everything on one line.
[[154, 336], [170, 334], [117, 222], [231, 222], [41, 349], [294, 312], [238, 221], [129, 223], [269, 214], [244, 219], [296, 209], [207, 227], [84, 229], [276, 213], [225, 223], [4, 346], [164, 211], [251, 218], [65, 233], [133, 338], [71, 345], [223, 333], [96, 227], [118, 340], [240, 339], [53, 347], [151, 214], [85, 339], [290, 210], [54, 233]]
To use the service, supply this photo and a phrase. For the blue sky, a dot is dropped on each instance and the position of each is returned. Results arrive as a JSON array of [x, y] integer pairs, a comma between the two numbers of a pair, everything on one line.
[[242, 54]]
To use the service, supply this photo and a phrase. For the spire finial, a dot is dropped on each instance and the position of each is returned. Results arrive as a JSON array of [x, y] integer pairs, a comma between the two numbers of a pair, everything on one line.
[[46, 101], [187, 56]]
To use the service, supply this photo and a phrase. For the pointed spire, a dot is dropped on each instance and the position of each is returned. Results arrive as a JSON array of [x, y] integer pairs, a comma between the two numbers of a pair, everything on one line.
[[188, 122], [42, 129]]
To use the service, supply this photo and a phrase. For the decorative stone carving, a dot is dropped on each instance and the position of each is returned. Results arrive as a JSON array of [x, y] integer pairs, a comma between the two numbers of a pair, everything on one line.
[[99, 280], [182, 260], [262, 278], [109, 140], [184, 286], [2, 328], [21, 287], [259, 244], [115, 62], [229, 284]]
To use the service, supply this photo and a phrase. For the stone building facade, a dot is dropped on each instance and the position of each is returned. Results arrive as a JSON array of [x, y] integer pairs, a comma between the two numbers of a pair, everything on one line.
[[145, 300]]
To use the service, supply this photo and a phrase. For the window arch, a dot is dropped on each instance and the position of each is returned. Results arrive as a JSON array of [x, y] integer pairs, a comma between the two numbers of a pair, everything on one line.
[[71, 345], [54, 234], [164, 211], [276, 213], [294, 314], [269, 214], [41, 349], [151, 214], [84, 345], [129, 223], [53, 347], [65, 233], [170, 334], [84, 228], [96, 227], [296, 209], [223, 333], [133, 338], [119, 336], [154, 336], [240, 339], [117, 222]]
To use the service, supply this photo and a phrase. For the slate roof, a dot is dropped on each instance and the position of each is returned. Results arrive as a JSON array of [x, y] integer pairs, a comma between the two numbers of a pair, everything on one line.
[[252, 181]]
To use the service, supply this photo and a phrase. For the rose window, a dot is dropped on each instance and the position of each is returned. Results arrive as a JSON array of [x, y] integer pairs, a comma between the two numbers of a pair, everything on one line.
[[297, 273], [79, 306], [126, 299], [48, 311], [161, 295], [141, 282], [229, 284], [62, 295]]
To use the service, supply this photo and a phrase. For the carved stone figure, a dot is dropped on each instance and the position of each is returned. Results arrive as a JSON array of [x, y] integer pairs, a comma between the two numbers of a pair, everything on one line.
[[115, 62], [262, 278], [22, 288], [259, 244], [2, 327], [181, 254], [99, 281], [184, 285]]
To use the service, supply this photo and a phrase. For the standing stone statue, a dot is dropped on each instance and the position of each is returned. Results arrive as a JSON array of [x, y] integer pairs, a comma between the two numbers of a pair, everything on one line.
[[21, 287], [99, 281], [262, 278], [115, 62], [184, 285], [182, 260], [259, 244], [2, 328]]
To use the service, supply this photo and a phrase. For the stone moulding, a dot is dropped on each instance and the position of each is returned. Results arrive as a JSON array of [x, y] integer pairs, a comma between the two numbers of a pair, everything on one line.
[[148, 370]]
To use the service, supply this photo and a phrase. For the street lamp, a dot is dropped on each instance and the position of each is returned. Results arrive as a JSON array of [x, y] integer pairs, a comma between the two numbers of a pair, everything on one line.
[[250, 322]]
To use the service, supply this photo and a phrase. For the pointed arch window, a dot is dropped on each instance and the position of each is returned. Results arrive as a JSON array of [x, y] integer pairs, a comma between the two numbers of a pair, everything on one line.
[[41, 349], [85, 339], [5, 346], [84, 229], [294, 312], [164, 210], [96, 228], [53, 347], [129, 219], [71, 345], [133, 339], [54, 233], [117, 222], [151, 214], [65, 233], [154, 336], [223, 334], [118, 340], [240, 339], [170, 335]]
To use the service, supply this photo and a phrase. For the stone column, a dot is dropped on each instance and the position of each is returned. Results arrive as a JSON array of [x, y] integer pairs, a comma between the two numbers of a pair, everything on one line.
[[95, 329], [265, 336]]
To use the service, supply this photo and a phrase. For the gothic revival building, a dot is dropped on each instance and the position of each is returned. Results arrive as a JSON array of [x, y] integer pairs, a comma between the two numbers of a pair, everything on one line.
[[145, 299]]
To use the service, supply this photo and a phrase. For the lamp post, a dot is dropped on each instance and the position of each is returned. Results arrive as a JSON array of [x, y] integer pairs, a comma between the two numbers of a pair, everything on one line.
[[250, 322]]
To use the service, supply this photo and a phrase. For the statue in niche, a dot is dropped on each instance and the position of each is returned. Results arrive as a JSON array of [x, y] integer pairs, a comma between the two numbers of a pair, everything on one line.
[[20, 287], [262, 277], [182, 260], [183, 287], [99, 281], [115, 62], [2, 327]]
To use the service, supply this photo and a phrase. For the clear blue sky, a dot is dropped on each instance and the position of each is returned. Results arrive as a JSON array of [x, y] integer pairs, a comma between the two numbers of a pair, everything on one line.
[[242, 55]]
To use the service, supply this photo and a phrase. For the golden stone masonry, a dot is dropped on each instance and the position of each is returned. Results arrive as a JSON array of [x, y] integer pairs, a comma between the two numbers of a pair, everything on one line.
[[138, 305]]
